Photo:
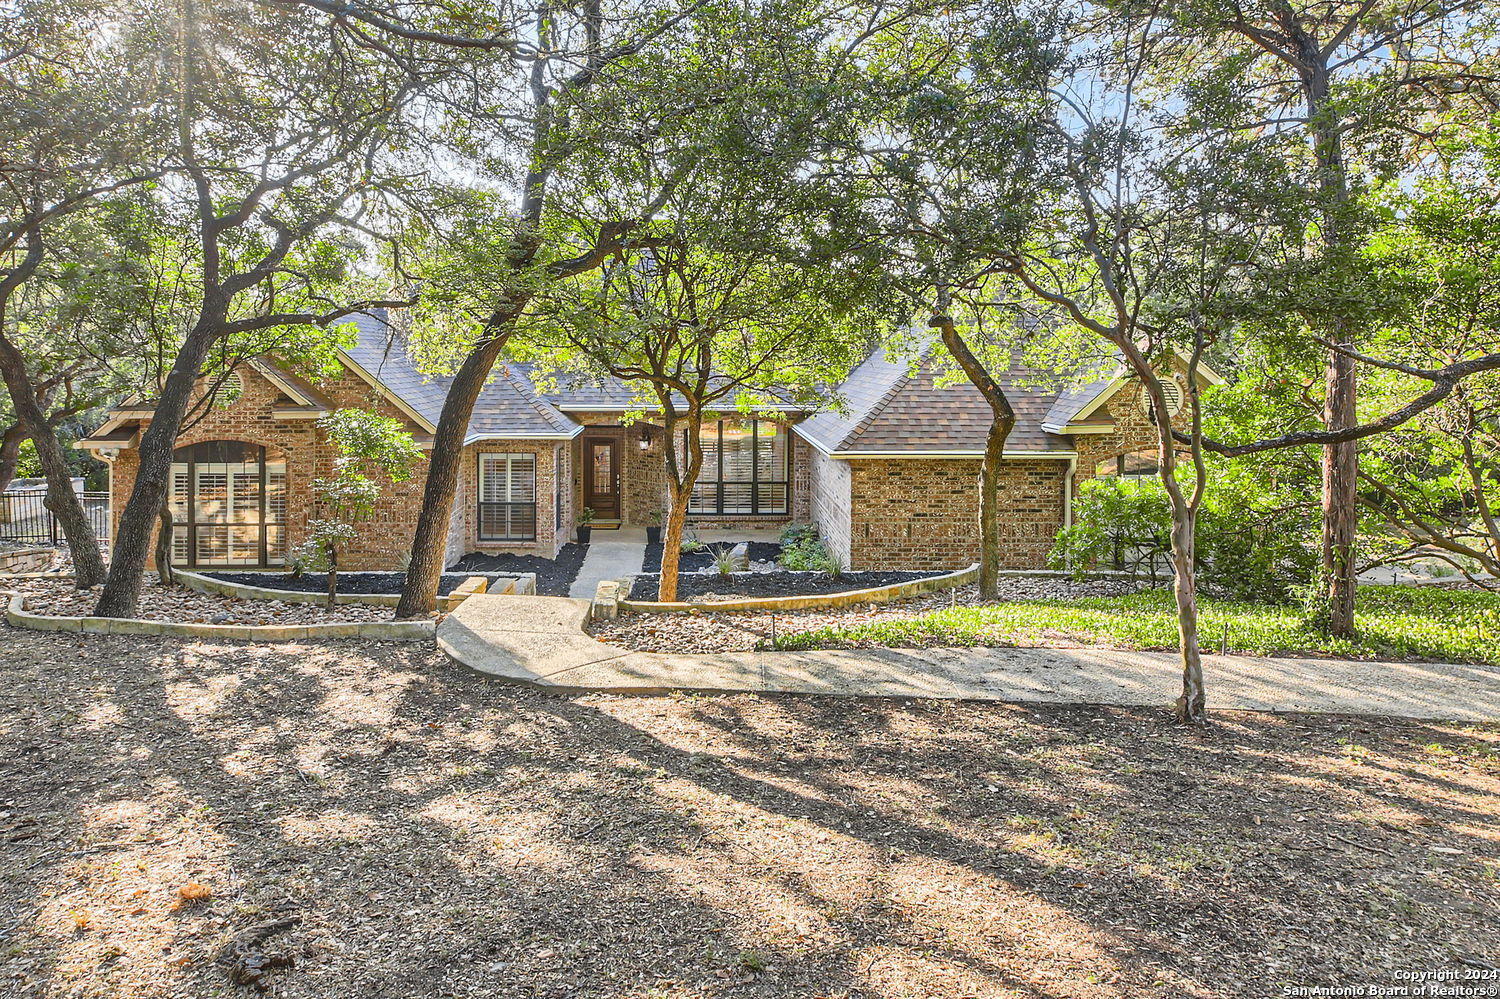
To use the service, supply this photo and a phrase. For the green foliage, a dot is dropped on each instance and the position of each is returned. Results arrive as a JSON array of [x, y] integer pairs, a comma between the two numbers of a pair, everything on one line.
[[1392, 622], [723, 558], [1249, 548], [371, 451], [803, 550]]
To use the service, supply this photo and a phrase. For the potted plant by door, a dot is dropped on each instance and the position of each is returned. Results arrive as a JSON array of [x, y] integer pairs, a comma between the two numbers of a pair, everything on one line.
[[585, 518], [653, 529]]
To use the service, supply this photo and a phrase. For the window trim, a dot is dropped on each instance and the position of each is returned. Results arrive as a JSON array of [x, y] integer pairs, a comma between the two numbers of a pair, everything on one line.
[[480, 502], [754, 482]]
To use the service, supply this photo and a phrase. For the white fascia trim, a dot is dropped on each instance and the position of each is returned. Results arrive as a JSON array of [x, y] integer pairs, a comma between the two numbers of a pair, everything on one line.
[[1078, 428], [582, 408], [270, 374], [480, 438], [384, 390], [940, 455], [1207, 373]]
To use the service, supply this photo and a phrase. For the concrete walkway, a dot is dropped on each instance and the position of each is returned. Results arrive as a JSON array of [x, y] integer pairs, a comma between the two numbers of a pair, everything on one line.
[[612, 555], [540, 641]]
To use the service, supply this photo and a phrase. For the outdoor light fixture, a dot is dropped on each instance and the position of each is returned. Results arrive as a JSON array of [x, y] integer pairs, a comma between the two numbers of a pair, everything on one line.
[[645, 440]]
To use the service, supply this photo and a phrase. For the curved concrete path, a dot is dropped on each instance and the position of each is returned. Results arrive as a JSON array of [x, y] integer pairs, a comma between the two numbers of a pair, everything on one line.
[[540, 641]]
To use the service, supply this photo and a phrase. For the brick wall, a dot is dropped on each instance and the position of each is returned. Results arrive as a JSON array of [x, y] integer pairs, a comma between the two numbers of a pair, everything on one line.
[[548, 537], [383, 540], [828, 501], [924, 513]]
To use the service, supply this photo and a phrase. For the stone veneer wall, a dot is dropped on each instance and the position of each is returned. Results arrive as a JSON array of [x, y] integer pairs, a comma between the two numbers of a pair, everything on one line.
[[383, 540], [921, 513]]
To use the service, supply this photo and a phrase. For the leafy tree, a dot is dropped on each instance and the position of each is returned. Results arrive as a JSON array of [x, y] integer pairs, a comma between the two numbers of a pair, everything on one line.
[[371, 450], [283, 135]]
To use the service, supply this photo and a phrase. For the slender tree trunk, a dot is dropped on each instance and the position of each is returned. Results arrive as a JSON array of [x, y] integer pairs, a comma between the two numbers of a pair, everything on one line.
[[164, 574], [1191, 704], [333, 575], [671, 545], [1002, 422], [10, 453], [680, 481], [122, 590], [445, 462], [83, 543]]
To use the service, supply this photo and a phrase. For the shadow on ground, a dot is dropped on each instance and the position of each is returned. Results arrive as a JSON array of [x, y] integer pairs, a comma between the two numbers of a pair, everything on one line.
[[392, 825]]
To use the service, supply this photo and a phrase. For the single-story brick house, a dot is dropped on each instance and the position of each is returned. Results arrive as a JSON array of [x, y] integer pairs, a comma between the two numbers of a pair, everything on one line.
[[889, 479]]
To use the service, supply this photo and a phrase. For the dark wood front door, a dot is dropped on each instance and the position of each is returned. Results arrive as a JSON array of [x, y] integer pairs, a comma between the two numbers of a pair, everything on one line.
[[601, 478]]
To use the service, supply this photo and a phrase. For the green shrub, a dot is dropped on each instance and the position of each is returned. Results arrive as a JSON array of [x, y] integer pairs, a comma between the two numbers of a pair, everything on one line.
[[1247, 547], [804, 551]]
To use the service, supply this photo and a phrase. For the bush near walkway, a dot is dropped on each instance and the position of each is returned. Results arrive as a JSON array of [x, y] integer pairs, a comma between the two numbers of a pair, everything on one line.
[[1394, 623]]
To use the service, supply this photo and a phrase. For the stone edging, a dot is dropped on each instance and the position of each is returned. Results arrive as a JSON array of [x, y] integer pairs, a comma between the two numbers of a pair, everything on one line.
[[876, 594], [30, 558], [390, 631]]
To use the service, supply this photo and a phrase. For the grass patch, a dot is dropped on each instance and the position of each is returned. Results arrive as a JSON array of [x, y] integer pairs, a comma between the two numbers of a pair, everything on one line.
[[1393, 622]]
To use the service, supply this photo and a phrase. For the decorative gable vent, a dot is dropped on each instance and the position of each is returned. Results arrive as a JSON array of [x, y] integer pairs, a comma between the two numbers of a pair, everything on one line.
[[1171, 390]]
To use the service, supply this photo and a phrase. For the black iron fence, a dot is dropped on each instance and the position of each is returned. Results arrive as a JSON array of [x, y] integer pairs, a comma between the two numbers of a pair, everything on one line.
[[24, 516]]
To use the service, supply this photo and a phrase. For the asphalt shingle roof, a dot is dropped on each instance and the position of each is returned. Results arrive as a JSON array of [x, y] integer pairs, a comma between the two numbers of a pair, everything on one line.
[[893, 409]]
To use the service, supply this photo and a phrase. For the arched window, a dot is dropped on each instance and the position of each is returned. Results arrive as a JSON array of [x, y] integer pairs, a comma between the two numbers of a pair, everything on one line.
[[228, 503]]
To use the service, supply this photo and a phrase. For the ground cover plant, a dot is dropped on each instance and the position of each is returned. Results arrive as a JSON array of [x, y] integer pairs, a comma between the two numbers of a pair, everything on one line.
[[1393, 622], [346, 819]]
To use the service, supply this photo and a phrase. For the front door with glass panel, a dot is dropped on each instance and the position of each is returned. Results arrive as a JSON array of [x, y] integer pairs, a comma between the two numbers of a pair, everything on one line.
[[228, 504], [601, 478]]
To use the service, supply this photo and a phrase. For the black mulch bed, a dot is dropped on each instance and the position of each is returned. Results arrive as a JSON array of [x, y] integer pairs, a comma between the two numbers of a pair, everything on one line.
[[359, 582], [553, 576], [770, 584], [760, 551]]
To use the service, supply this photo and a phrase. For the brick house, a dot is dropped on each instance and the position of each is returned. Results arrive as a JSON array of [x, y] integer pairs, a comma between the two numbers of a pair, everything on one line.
[[888, 480]]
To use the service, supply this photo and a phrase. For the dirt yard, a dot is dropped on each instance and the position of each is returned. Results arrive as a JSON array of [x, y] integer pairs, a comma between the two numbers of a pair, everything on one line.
[[190, 820]]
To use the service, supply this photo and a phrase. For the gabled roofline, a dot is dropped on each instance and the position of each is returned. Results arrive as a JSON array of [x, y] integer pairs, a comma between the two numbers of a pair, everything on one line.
[[386, 391], [272, 375], [845, 455], [1124, 375], [481, 438]]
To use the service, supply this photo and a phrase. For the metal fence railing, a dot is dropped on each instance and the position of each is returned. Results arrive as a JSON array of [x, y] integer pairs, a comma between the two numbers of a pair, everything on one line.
[[24, 516]]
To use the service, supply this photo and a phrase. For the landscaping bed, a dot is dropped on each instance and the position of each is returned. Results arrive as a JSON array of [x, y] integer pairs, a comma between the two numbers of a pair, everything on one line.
[[762, 552], [708, 585], [707, 630], [553, 576], [348, 582], [328, 820], [59, 598]]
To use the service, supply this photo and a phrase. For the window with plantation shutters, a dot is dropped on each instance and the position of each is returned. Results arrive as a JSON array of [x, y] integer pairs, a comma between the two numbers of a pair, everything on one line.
[[746, 469], [507, 497]]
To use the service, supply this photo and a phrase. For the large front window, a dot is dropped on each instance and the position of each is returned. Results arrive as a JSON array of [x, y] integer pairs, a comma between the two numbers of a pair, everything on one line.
[[745, 470], [228, 504], [507, 497]]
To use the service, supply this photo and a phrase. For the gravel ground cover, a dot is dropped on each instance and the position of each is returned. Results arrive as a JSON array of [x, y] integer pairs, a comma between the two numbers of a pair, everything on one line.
[[328, 820], [361, 582], [59, 598], [717, 631], [553, 576], [763, 552], [708, 585]]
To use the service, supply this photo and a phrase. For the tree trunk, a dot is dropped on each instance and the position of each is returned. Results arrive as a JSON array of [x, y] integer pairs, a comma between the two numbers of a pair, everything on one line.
[[333, 575], [10, 453], [164, 574], [989, 506], [430, 542], [1340, 499], [122, 591], [1191, 705], [83, 543], [671, 544], [1002, 422]]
